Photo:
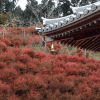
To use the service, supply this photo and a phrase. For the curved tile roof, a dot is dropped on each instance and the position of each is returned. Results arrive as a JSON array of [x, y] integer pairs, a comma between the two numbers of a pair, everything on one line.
[[51, 24]]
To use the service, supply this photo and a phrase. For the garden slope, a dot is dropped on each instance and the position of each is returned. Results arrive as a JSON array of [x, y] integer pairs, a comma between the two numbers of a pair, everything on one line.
[[29, 75]]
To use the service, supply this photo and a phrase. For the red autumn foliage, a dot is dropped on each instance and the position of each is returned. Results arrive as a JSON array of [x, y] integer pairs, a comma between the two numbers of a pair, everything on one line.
[[29, 75], [17, 44], [8, 74], [31, 29], [24, 42], [6, 41], [5, 90], [80, 52], [3, 47], [14, 97], [2, 65], [40, 55], [63, 57], [36, 37], [28, 51], [73, 58], [7, 57], [58, 70], [16, 51], [57, 46], [24, 58], [20, 84]]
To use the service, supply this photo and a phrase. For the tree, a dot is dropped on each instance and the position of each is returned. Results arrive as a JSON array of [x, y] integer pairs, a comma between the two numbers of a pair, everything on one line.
[[86, 2], [4, 18], [65, 6], [28, 16], [76, 3], [47, 8], [18, 12], [33, 5], [5, 6]]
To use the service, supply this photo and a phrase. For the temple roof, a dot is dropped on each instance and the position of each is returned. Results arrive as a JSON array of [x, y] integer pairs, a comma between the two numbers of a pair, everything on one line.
[[80, 29], [78, 12]]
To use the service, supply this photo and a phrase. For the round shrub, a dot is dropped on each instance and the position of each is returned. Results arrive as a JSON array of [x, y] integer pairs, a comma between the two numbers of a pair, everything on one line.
[[29, 51]]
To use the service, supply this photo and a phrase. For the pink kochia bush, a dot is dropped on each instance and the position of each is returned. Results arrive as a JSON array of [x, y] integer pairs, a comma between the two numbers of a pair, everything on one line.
[[6, 41], [29, 75], [29, 51], [3, 47]]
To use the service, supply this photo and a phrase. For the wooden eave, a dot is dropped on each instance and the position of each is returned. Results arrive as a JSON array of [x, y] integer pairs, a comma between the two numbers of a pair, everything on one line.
[[85, 32]]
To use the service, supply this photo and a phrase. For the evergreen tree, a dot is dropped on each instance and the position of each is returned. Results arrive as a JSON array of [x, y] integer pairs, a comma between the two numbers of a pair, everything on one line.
[[6, 5], [76, 3], [47, 6], [65, 6], [18, 12], [86, 2]]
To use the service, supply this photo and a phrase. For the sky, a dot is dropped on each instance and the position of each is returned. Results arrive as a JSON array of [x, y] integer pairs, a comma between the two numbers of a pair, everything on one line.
[[22, 3]]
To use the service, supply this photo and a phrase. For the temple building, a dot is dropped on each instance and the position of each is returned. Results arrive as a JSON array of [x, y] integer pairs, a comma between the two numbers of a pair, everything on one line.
[[80, 29]]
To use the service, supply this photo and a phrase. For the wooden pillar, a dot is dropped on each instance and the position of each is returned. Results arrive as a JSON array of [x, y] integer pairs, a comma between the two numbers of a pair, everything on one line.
[[85, 52], [45, 44]]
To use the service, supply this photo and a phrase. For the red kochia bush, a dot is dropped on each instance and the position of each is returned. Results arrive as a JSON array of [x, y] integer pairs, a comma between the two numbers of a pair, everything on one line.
[[2, 65], [16, 51], [71, 71], [58, 70], [40, 55], [29, 51], [84, 89], [49, 45], [63, 57], [5, 90], [3, 47], [83, 59], [20, 67], [91, 60], [6, 41], [31, 67], [16, 41], [20, 83], [36, 37], [7, 57], [24, 42], [57, 46], [73, 58], [23, 58], [26, 75], [80, 52], [17, 44], [8, 74], [13, 97]]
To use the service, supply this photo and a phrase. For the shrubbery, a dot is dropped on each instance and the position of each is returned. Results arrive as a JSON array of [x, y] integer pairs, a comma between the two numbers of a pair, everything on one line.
[[26, 74], [29, 75]]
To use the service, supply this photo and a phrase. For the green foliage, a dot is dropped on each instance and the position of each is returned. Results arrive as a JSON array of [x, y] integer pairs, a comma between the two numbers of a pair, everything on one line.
[[74, 2], [6, 5], [63, 7], [18, 11], [82, 3], [4, 18], [66, 8]]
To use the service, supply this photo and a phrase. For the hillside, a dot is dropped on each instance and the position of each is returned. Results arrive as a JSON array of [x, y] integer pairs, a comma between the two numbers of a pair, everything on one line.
[[28, 73]]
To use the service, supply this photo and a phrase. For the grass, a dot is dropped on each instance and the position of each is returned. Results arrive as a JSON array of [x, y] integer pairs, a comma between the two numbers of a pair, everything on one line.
[[96, 55], [37, 47]]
